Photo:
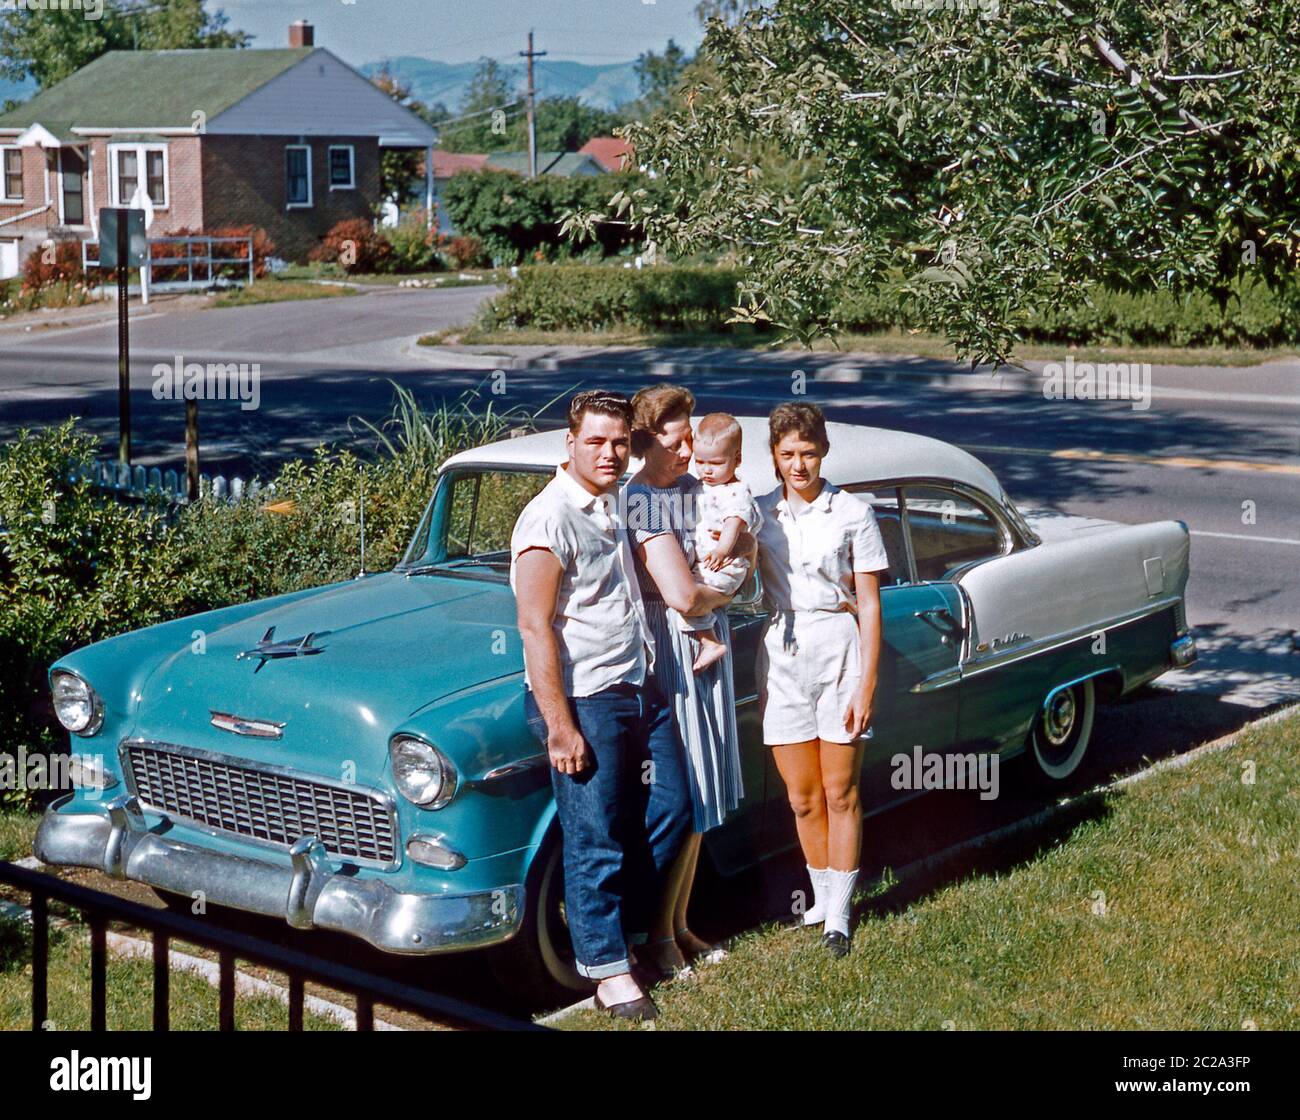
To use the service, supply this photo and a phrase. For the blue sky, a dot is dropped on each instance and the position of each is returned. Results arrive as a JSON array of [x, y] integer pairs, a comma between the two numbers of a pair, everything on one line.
[[360, 31]]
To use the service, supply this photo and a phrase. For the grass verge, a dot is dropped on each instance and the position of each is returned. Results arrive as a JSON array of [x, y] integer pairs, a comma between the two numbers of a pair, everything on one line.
[[278, 291], [1167, 905]]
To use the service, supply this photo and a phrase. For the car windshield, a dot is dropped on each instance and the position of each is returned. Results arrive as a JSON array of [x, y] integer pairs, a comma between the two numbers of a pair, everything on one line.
[[468, 523]]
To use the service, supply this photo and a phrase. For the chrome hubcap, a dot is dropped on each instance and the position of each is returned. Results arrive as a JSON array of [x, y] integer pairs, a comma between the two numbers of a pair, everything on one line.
[[1058, 720]]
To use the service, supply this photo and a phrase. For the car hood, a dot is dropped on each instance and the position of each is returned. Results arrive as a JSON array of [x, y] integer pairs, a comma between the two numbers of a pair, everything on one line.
[[387, 646]]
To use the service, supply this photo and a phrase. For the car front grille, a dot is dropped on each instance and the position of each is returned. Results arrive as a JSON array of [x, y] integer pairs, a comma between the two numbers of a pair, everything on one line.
[[269, 805]]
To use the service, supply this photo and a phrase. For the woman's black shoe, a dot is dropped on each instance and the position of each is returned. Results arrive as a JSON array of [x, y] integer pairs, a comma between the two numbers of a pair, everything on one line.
[[837, 943], [642, 1009]]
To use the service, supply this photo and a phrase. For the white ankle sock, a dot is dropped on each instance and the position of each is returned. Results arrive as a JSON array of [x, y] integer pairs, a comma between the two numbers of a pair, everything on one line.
[[817, 911], [839, 899]]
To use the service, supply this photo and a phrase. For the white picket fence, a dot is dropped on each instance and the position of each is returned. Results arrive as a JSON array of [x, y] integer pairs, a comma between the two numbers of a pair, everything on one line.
[[125, 480]]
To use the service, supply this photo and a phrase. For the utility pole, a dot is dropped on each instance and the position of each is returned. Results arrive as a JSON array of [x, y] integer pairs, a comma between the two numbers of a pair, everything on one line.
[[531, 54]]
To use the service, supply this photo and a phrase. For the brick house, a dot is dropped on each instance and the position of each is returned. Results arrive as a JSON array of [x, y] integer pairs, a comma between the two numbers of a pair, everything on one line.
[[287, 139]]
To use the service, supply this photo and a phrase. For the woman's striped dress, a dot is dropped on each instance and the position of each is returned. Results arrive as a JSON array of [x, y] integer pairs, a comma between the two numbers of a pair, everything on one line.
[[705, 703]]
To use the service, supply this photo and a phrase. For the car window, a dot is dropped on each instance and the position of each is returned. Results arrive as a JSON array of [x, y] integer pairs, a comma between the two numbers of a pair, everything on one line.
[[948, 531], [485, 504], [886, 506]]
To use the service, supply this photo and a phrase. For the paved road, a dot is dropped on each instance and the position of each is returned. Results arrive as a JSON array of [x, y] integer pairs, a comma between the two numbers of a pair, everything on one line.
[[1214, 445]]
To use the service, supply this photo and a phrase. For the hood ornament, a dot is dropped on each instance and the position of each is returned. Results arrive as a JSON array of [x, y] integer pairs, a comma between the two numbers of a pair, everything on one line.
[[268, 649], [258, 728]]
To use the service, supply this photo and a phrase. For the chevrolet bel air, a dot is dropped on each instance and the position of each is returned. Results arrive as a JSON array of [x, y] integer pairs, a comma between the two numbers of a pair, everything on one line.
[[355, 757]]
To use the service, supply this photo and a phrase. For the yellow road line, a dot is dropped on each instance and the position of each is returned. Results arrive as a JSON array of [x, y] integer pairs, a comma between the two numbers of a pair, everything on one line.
[[1186, 461]]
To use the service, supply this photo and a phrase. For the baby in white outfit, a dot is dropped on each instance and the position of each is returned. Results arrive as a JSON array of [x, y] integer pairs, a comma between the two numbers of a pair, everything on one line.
[[724, 506]]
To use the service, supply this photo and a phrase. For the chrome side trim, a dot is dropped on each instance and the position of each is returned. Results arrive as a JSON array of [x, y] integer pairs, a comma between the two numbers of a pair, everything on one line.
[[1032, 649], [1055, 641], [530, 763], [1079, 680]]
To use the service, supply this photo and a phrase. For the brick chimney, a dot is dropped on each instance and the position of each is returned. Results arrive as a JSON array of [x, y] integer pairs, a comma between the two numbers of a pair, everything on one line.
[[301, 34]]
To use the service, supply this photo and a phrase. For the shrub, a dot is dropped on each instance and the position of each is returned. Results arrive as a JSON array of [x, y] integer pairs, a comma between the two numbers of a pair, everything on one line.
[[355, 245], [77, 565], [465, 252], [516, 218], [51, 264], [413, 244], [593, 297], [680, 297]]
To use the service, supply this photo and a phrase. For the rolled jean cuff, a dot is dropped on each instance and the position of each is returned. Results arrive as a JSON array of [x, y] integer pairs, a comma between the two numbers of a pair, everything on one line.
[[601, 971]]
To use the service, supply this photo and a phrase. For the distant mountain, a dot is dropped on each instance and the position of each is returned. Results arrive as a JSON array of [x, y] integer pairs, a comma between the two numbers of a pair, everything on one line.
[[605, 87]]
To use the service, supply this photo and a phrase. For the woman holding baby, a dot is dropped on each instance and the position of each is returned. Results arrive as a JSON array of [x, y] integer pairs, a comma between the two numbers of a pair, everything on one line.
[[692, 538]]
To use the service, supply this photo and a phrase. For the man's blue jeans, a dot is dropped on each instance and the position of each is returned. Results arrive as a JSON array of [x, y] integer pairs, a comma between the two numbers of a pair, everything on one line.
[[624, 818]]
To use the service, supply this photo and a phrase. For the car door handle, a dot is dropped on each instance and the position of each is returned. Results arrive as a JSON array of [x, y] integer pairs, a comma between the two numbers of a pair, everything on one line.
[[932, 615]]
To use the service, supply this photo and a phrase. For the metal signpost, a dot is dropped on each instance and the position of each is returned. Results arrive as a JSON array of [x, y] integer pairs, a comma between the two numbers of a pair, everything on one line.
[[122, 246]]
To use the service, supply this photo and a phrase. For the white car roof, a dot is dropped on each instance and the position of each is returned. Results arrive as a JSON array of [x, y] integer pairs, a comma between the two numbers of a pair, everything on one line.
[[858, 454]]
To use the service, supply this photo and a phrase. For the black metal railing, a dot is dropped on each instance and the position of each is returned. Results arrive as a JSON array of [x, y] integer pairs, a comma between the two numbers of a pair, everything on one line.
[[99, 909]]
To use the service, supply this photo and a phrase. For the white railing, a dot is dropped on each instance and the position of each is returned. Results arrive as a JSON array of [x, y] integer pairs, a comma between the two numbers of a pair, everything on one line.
[[129, 481], [204, 263]]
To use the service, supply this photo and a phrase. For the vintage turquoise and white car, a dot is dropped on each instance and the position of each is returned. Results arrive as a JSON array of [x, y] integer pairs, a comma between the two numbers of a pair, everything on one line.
[[355, 757]]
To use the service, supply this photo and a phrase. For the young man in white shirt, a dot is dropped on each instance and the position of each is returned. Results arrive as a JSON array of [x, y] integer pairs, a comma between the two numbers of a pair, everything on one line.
[[587, 651]]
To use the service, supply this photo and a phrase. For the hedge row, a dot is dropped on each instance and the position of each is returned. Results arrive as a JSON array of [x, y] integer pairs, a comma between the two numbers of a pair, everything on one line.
[[597, 297], [77, 565]]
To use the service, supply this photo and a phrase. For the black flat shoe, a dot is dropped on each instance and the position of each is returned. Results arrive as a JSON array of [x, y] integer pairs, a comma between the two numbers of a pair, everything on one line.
[[837, 944], [642, 1009]]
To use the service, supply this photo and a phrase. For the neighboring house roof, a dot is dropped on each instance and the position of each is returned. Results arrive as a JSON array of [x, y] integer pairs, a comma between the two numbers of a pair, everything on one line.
[[609, 151], [563, 164], [447, 164], [161, 89], [294, 91]]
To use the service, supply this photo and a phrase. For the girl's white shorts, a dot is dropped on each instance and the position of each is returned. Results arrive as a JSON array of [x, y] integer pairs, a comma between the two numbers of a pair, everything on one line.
[[809, 666]]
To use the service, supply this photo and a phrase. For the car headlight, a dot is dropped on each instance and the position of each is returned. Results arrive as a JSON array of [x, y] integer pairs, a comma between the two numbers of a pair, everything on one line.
[[77, 705], [423, 773]]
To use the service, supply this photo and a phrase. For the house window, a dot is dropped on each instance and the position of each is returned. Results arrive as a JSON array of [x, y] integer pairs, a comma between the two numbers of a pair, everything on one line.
[[128, 162], [11, 185], [342, 167], [71, 169], [297, 165]]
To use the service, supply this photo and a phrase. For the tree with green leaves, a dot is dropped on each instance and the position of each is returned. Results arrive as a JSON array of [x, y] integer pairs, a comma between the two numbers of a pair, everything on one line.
[[990, 158], [658, 76], [486, 112], [51, 43]]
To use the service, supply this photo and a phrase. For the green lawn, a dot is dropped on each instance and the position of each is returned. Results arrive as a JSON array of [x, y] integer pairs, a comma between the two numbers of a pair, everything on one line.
[[276, 291], [898, 342], [1200, 927]]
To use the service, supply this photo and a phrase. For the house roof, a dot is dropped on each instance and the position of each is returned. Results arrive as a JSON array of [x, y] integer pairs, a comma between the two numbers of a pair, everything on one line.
[[447, 164], [154, 89], [609, 151], [563, 164]]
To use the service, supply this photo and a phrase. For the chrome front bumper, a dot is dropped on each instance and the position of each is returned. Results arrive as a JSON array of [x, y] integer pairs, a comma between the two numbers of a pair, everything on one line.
[[309, 894]]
